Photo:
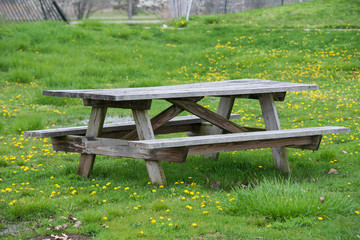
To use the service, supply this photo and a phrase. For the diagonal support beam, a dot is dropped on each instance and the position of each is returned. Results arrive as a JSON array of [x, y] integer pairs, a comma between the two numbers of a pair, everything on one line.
[[224, 109], [160, 119], [208, 115]]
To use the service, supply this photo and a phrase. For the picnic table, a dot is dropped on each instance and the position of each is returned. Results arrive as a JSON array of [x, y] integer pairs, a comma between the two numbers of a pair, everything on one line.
[[137, 139]]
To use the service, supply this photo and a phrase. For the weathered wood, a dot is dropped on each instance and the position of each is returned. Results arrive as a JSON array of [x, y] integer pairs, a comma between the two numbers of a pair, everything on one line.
[[158, 120], [139, 104], [224, 110], [176, 149], [278, 96], [222, 88], [95, 124], [207, 115], [297, 142], [237, 137], [115, 148], [112, 129], [144, 131], [205, 128], [272, 122]]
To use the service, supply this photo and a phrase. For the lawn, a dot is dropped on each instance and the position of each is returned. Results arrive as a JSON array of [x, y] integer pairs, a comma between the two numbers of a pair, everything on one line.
[[240, 196]]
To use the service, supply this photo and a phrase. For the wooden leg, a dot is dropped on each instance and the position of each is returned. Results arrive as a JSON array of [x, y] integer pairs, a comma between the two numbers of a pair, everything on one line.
[[145, 132], [224, 110], [95, 125], [272, 123]]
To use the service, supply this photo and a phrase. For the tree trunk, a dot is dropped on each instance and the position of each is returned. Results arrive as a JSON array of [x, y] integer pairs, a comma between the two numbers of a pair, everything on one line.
[[130, 9]]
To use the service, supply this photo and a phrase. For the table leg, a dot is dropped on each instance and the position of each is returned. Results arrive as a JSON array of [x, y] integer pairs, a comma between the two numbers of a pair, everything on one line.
[[224, 110], [95, 125], [272, 123], [145, 132]]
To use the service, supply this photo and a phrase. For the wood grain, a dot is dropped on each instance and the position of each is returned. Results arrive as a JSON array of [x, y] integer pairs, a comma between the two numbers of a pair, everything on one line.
[[222, 88], [140, 104], [118, 127], [95, 124], [237, 137], [224, 110], [272, 122], [144, 131], [207, 115]]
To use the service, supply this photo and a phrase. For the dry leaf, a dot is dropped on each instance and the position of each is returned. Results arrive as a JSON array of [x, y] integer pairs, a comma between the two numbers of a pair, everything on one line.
[[77, 224], [64, 237], [103, 225], [344, 152], [332, 171], [322, 199], [60, 227], [63, 218], [71, 218]]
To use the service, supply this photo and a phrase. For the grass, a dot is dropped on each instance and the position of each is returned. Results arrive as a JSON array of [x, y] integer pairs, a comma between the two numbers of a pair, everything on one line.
[[237, 196]]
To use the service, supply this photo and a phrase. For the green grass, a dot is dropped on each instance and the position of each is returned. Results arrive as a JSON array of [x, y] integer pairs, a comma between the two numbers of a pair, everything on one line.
[[281, 200], [39, 186]]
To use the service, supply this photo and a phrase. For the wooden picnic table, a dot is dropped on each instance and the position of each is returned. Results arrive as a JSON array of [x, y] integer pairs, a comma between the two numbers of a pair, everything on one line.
[[137, 139]]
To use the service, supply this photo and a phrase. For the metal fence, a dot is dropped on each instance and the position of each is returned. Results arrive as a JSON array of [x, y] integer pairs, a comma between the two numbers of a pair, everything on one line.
[[30, 11], [180, 8]]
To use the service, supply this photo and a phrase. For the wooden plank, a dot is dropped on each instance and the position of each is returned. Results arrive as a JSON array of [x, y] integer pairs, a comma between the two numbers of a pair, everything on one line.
[[115, 148], [144, 131], [278, 96], [123, 148], [237, 137], [222, 88], [297, 142], [96, 121], [158, 120], [140, 104], [207, 115], [224, 110], [272, 123], [116, 127]]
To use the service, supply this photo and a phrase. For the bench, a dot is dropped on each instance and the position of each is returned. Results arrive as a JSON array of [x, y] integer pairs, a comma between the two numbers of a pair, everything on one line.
[[191, 124], [177, 149]]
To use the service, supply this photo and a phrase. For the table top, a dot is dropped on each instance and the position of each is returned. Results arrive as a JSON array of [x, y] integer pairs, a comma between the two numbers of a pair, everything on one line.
[[221, 88]]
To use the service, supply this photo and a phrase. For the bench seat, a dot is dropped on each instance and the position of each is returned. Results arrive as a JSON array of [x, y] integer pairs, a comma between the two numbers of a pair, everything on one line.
[[170, 127], [177, 149]]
